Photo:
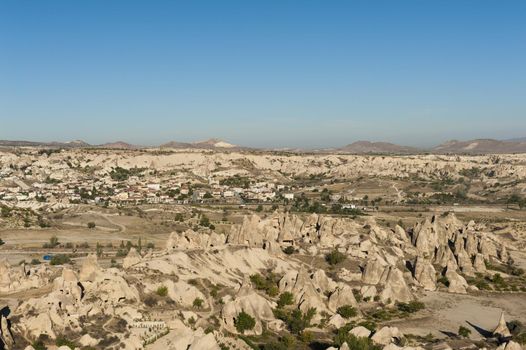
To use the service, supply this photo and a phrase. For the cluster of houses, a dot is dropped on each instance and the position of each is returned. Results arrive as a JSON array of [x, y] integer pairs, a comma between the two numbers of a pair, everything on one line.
[[77, 187]]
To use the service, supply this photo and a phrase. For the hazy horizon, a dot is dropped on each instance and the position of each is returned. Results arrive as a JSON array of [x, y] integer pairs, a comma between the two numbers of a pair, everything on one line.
[[268, 74]]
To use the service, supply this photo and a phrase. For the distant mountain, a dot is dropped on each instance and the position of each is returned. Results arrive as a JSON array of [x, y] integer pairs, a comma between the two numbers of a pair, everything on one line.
[[478, 146], [364, 147], [207, 144], [70, 144], [214, 143], [481, 146], [118, 145], [77, 143]]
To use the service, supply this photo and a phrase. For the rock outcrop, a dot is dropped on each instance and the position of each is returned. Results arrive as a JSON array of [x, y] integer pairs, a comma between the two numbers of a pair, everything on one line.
[[247, 300], [502, 330], [6, 338]]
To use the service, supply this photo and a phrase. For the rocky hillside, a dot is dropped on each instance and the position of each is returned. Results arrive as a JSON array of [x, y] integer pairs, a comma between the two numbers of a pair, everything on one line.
[[193, 294], [481, 146]]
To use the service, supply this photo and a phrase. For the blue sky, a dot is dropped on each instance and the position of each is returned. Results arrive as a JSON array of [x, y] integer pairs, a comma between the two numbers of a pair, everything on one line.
[[263, 73]]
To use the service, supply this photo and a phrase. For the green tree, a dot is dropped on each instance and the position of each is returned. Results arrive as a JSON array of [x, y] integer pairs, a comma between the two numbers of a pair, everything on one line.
[[285, 298], [295, 320], [198, 303], [205, 222], [91, 225], [244, 322]]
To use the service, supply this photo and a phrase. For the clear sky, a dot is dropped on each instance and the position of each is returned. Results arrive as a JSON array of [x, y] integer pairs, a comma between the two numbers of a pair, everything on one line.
[[263, 73]]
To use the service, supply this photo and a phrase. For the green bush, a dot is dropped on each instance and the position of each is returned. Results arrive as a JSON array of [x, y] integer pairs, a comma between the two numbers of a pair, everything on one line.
[[205, 222], [347, 311], [520, 338], [53, 242], [411, 307], [443, 280], [268, 283], [354, 343], [463, 332], [62, 341], [60, 259], [357, 295], [286, 342], [289, 250], [39, 345], [515, 327], [285, 298], [295, 320], [244, 322], [198, 303], [499, 281], [91, 225], [162, 291], [335, 257]]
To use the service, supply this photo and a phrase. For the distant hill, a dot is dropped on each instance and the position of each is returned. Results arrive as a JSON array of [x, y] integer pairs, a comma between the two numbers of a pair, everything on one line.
[[118, 145], [207, 144], [481, 146], [364, 147], [70, 144], [478, 146]]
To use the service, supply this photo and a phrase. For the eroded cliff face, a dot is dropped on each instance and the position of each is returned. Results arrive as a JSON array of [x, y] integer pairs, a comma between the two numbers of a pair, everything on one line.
[[202, 163]]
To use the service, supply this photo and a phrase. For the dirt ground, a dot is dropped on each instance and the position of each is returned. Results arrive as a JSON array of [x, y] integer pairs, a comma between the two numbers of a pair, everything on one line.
[[480, 313]]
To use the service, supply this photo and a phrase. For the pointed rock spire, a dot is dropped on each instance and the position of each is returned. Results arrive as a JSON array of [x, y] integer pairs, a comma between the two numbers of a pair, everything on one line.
[[502, 328]]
